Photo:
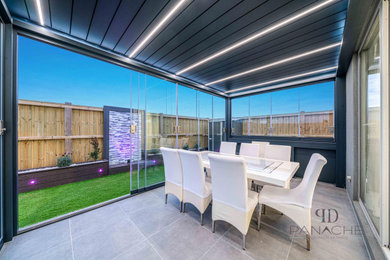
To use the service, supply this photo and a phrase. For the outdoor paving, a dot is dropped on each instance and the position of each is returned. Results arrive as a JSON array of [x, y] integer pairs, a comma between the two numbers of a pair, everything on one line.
[[143, 227]]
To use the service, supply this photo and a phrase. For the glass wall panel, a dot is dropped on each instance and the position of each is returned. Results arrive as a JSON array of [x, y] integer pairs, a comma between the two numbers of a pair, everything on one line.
[[205, 115], [316, 105], [302, 111], [1, 139], [370, 139], [219, 126], [187, 119], [285, 107], [240, 116], [160, 125], [260, 114], [63, 163]]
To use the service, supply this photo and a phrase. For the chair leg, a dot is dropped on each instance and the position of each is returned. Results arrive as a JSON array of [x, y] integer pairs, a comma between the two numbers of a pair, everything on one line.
[[243, 241], [181, 206], [184, 207], [308, 242], [259, 216], [201, 219], [213, 226], [166, 198]]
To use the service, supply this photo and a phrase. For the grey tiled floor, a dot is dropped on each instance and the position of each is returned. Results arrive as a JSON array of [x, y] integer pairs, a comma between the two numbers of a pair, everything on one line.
[[143, 227]]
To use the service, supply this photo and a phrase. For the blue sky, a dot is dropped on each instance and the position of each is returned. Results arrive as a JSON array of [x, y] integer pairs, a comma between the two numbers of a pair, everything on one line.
[[52, 74]]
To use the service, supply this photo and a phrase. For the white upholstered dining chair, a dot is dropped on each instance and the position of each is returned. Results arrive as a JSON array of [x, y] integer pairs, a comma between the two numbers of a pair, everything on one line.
[[262, 147], [232, 201], [295, 203], [252, 150], [228, 147], [278, 152], [195, 188], [173, 174]]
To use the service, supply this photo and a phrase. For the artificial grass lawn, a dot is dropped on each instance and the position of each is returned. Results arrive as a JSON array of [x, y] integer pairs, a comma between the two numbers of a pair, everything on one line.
[[39, 205]]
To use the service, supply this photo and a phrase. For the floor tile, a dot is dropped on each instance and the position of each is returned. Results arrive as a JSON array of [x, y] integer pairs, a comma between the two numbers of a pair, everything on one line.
[[151, 220], [37, 241], [223, 250], [185, 239], [108, 242], [143, 250]]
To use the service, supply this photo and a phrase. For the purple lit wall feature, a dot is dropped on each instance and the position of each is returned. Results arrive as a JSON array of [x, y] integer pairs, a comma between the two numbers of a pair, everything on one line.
[[32, 182], [154, 161], [124, 146], [100, 170]]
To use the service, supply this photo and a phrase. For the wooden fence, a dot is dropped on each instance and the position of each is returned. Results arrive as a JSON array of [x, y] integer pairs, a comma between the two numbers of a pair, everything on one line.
[[48, 130], [306, 124]]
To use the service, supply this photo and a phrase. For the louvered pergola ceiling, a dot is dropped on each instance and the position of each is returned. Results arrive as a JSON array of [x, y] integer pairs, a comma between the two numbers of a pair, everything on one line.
[[228, 45]]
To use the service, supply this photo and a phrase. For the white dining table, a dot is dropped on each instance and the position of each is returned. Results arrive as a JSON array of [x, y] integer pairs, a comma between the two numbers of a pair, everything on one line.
[[274, 172]]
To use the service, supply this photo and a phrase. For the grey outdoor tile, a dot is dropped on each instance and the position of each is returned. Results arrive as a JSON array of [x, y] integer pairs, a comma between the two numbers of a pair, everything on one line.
[[108, 242], [223, 250], [58, 252], [140, 201], [37, 241], [151, 220], [185, 239], [95, 220], [267, 243], [325, 247], [220, 228], [143, 250]]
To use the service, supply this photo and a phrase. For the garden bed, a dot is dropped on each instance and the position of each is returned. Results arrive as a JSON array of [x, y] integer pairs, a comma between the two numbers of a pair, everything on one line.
[[35, 179]]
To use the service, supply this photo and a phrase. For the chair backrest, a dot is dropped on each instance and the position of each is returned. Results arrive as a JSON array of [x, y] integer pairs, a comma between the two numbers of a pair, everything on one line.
[[228, 147], [263, 146], [172, 165], [229, 182], [193, 172], [278, 152], [305, 190], [252, 150]]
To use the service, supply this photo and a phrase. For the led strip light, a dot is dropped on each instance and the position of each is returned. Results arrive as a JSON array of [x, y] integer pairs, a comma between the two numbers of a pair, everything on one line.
[[276, 63], [155, 29], [256, 36], [40, 15], [283, 79]]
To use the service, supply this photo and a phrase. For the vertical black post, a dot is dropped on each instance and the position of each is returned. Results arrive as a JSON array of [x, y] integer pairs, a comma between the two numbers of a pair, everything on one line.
[[227, 119], [10, 137], [340, 133]]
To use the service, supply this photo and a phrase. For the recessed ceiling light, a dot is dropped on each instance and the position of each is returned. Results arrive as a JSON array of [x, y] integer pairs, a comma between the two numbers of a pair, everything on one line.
[[275, 63], [40, 15], [282, 79], [161, 23], [256, 35]]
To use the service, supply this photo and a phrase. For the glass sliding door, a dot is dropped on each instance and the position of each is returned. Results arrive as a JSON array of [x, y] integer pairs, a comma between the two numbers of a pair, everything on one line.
[[240, 116], [370, 120], [160, 125], [205, 116], [73, 131], [219, 126], [285, 108], [187, 119], [1, 138], [260, 120]]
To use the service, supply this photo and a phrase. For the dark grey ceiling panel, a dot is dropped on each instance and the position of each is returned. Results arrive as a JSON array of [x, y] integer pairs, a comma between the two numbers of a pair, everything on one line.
[[123, 19], [17, 8], [217, 16], [61, 14], [144, 18], [101, 19], [199, 29], [193, 12], [81, 19], [296, 30]]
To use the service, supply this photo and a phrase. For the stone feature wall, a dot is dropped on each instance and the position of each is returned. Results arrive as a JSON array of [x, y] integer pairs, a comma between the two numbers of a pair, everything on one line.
[[122, 144]]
